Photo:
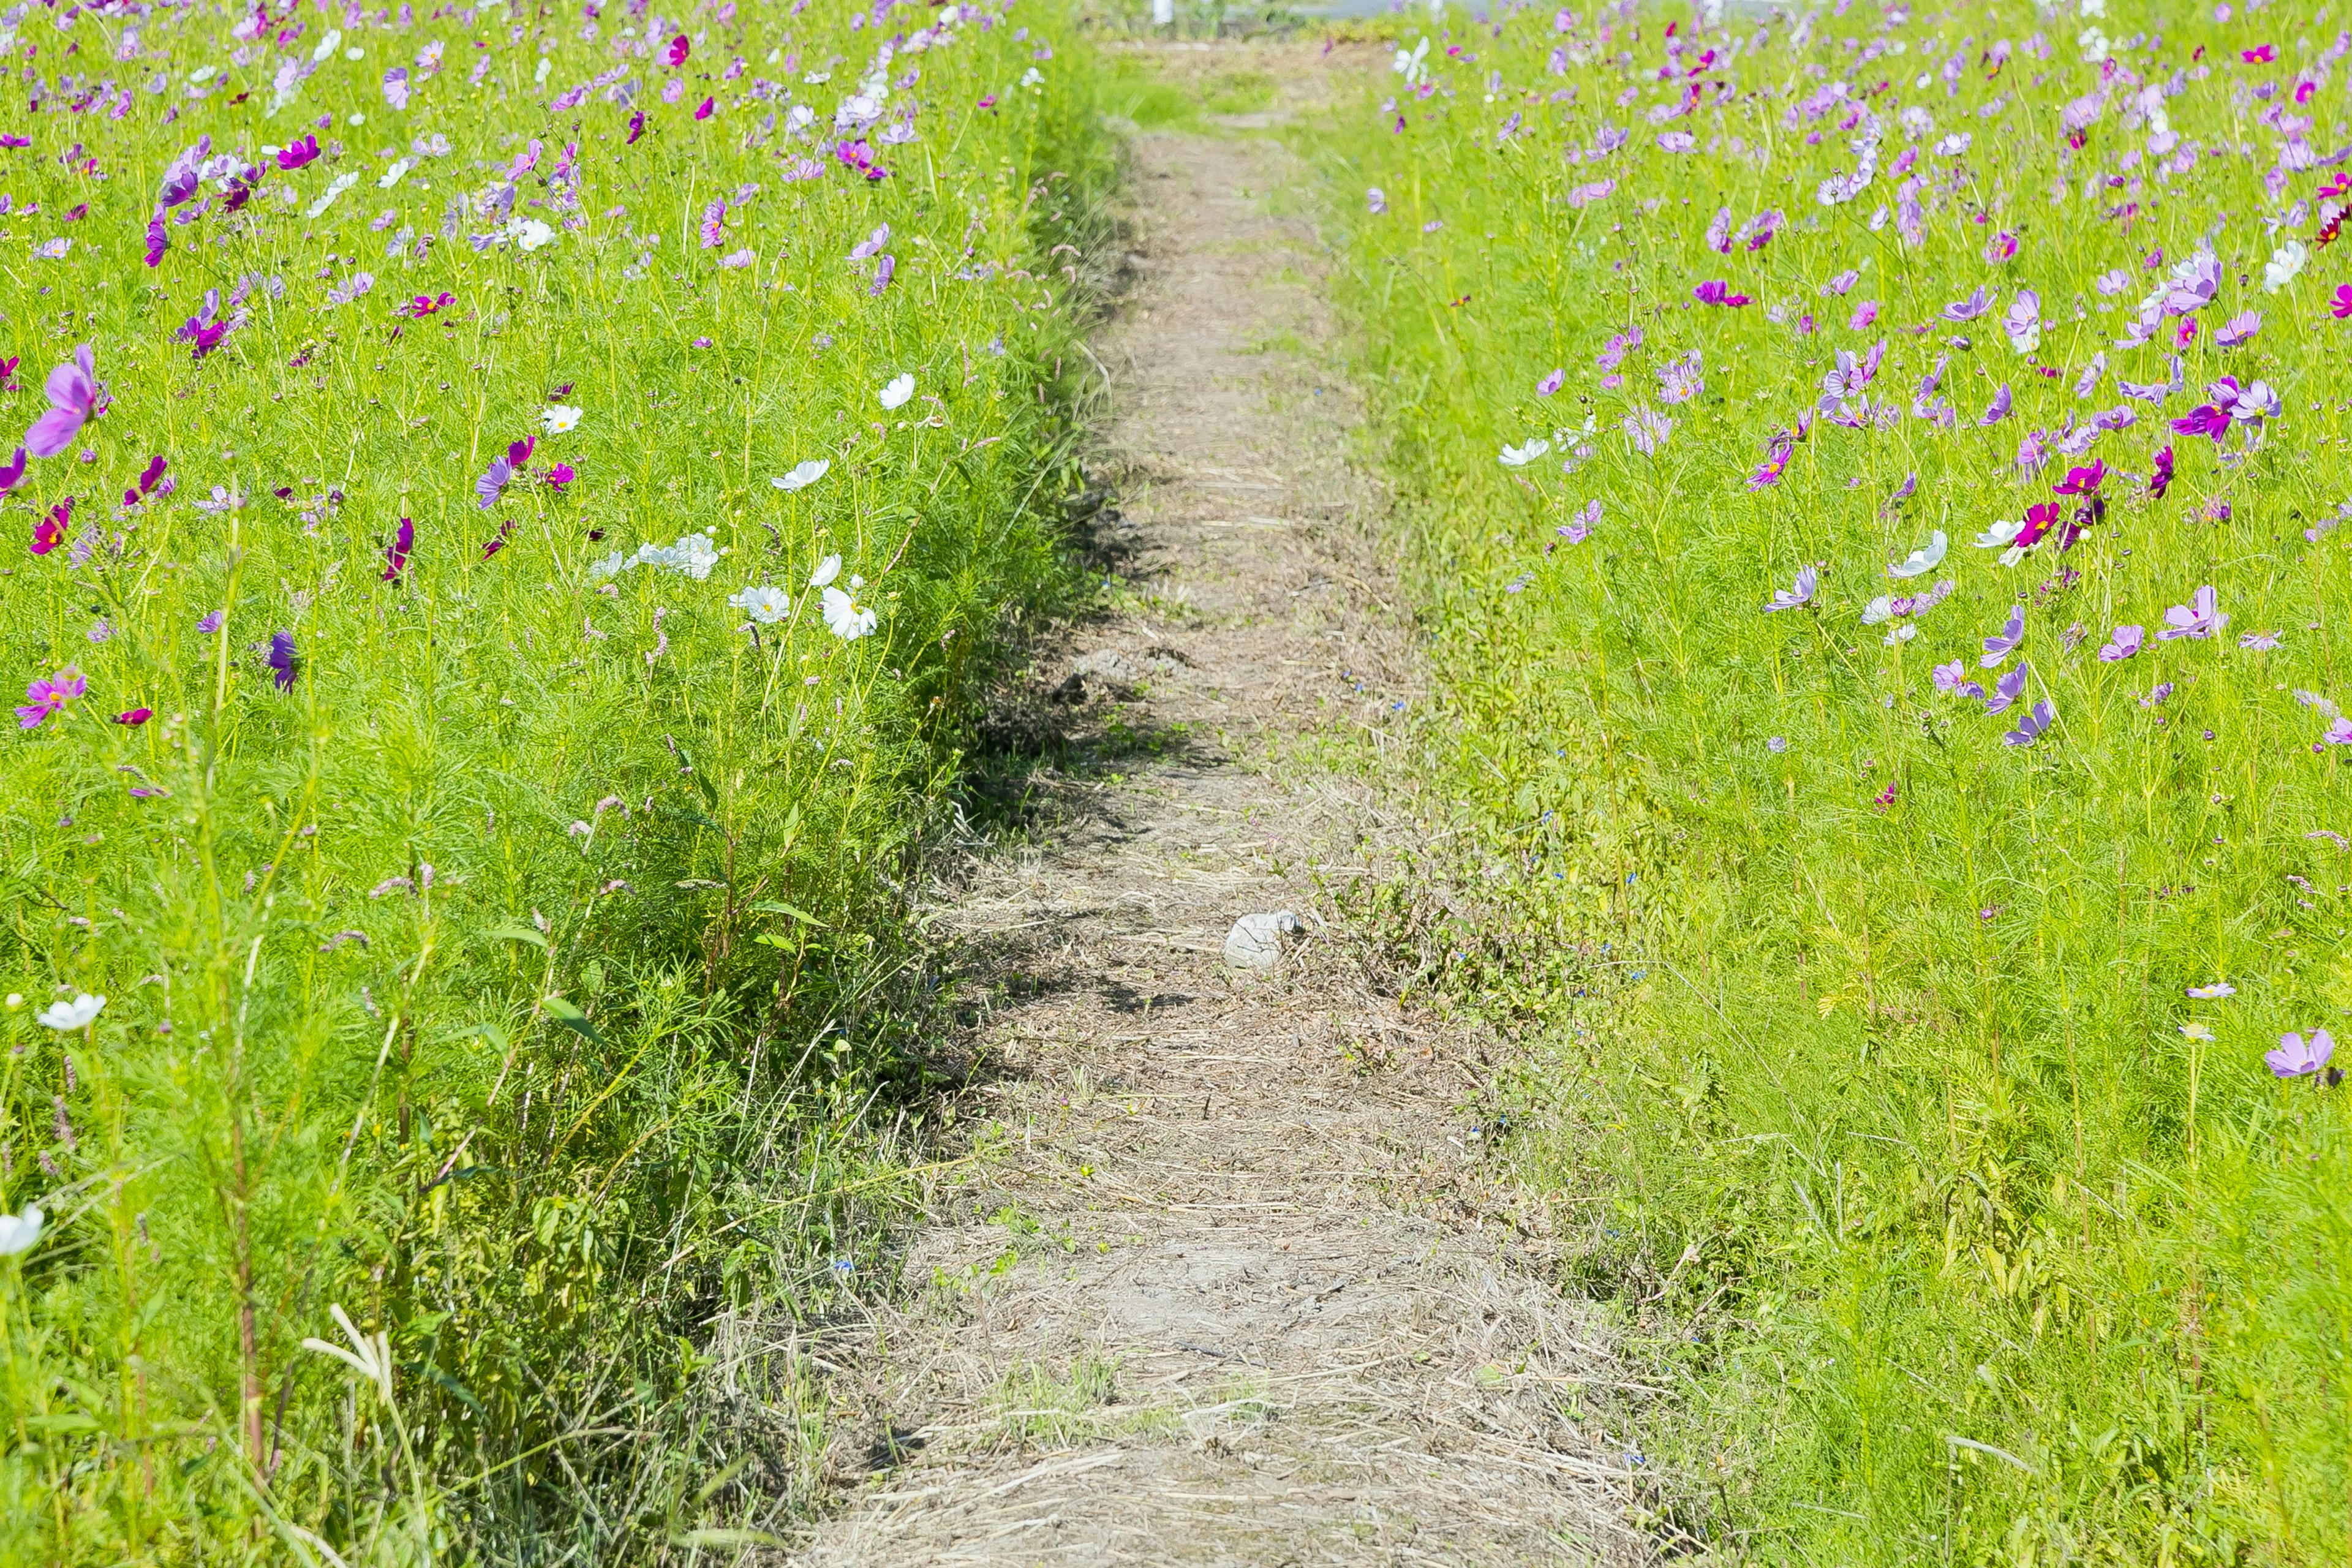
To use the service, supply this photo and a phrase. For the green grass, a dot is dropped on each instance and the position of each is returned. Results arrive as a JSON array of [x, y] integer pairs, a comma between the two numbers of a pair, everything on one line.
[[1972, 1236], [518, 967]]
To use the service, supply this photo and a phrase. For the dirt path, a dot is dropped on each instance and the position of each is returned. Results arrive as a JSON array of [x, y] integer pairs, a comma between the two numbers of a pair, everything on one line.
[[1226, 1288]]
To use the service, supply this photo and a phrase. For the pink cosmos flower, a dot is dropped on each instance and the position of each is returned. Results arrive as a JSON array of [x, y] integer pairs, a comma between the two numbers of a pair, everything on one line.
[[702, 111], [44, 697], [395, 555], [1715, 292], [136, 717], [76, 396], [299, 154], [2340, 306], [12, 474], [679, 48]]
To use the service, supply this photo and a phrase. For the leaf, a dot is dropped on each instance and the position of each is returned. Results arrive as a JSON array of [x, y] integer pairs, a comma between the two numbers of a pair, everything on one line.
[[709, 793], [517, 934], [571, 1018], [728, 1538], [683, 814], [770, 906], [695, 884]]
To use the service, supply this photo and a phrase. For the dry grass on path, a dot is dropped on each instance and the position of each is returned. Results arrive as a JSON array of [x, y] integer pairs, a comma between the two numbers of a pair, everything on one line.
[[1233, 1283]]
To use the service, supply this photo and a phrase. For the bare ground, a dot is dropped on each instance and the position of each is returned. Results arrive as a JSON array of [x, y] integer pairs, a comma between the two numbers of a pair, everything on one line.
[[1230, 1280]]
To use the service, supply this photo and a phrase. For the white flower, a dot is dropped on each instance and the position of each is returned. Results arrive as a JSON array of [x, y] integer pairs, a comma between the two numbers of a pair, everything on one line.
[[764, 605], [612, 565], [902, 388], [1926, 558], [1033, 77], [694, 556], [530, 234], [560, 417], [843, 619], [19, 1232], [335, 187], [1521, 457], [826, 570], [2003, 532], [803, 475], [2285, 263], [74, 1015], [391, 176]]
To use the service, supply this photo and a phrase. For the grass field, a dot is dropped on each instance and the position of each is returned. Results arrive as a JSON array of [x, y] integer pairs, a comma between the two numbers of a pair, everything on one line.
[[1873, 479], [498, 601]]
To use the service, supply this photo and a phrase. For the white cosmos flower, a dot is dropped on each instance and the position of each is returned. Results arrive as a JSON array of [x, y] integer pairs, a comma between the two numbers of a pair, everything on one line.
[[560, 418], [826, 570], [335, 187], [843, 618], [2000, 534], [1521, 457], [528, 233], [1926, 558], [901, 387], [2285, 263], [764, 605], [391, 176], [803, 474], [19, 1232], [74, 1015]]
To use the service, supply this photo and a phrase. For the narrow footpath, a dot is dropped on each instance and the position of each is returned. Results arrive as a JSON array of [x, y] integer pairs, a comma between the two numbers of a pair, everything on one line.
[[1229, 1283]]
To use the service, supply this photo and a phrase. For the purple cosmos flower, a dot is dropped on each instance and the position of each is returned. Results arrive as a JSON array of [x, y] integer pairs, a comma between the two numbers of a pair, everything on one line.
[[395, 555], [294, 156], [2159, 478], [2157, 695], [283, 659], [2299, 1058], [871, 245], [1951, 680], [2194, 283], [158, 239], [2257, 402], [2088, 382], [1841, 282], [702, 111], [134, 717], [76, 396], [2153, 391], [636, 128], [1552, 384], [2198, 618], [2259, 642], [1646, 429], [1679, 380], [2238, 329], [1808, 579], [2205, 420], [12, 474], [2001, 402], [884, 271], [1612, 353], [2003, 643], [2122, 643], [714, 224], [1718, 232], [2339, 731], [2022, 321], [1969, 309], [2008, 689], [2030, 728], [43, 698], [211, 623], [493, 483], [2219, 988], [1716, 292], [1376, 200]]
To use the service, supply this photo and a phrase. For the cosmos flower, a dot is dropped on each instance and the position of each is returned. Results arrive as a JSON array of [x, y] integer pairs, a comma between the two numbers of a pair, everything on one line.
[[1951, 679], [1552, 384], [844, 617], [895, 392], [2219, 988], [803, 475], [68, 1016], [1716, 292], [395, 554], [2284, 264], [2008, 689], [2122, 643], [1925, 559], [43, 698], [2198, 618], [76, 396], [2297, 1057], [559, 419], [764, 605], [2239, 329], [1521, 457], [283, 659], [2003, 643], [2030, 728], [19, 1232], [1801, 592]]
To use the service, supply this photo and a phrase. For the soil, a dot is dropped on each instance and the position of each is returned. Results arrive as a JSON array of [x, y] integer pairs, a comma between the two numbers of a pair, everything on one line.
[[1225, 1274]]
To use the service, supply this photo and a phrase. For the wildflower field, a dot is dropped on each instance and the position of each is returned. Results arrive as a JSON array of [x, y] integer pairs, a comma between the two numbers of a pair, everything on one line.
[[1874, 474], [504, 509]]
